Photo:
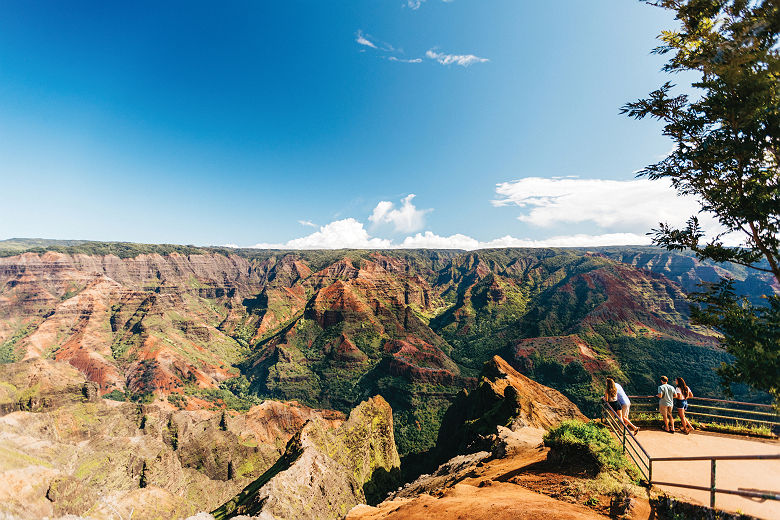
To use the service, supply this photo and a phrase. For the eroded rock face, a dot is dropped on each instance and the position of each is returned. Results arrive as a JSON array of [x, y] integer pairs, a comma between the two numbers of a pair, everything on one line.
[[502, 397], [331, 328], [325, 472], [74, 453], [39, 385], [143, 324]]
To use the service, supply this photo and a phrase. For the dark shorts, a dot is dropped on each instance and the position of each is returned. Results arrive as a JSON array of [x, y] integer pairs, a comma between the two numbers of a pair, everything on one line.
[[615, 405], [680, 404]]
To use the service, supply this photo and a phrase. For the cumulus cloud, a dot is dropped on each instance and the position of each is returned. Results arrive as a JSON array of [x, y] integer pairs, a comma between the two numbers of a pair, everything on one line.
[[346, 233], [429, 240], [464, 60], [362, 40], [351, 234], [621, 212], [624, 205], [404, 219]]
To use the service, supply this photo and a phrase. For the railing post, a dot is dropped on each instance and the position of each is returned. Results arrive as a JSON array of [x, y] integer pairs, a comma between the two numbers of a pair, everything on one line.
[[712, 484], [650, 471], [624, 439]]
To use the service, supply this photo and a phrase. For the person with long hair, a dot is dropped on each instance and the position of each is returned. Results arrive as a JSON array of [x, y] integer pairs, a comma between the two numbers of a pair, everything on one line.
[[619, 402], [681, 396]]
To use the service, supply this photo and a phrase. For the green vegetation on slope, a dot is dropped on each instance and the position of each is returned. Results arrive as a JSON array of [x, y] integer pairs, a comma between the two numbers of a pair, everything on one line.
[[590, 444]]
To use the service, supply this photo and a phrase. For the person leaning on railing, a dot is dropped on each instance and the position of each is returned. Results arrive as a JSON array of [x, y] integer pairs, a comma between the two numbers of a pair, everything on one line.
[[619, 402], [681, 395]]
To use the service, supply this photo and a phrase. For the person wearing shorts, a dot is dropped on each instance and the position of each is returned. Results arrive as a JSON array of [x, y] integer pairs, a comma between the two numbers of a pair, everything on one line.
[[665, 397], [618, 400], [681, 396]]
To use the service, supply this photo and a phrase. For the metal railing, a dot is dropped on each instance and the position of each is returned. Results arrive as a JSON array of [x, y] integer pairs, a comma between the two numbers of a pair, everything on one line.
[[705, 410], [644, 461], [631, 446]]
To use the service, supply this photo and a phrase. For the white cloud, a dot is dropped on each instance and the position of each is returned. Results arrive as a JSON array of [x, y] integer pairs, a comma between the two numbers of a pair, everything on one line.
[[384, 49], [362, 40], [429, 240], [617, 205], [464, 60], [405, 219], [346, 233], [351, 234], [401, 60], [622, 212], [415, 4], [307, 223]]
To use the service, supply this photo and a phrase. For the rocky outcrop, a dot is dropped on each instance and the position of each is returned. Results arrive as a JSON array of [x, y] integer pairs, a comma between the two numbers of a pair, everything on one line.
[[41, 385], [70, 452], [513, 478], [502, 397], [325, 472]]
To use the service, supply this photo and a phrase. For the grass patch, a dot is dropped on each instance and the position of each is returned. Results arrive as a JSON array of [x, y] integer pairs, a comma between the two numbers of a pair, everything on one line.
[[116, 395], [178, 400], [590, 444], [8, 352], [232, 394], [88, 468], [11, 458]]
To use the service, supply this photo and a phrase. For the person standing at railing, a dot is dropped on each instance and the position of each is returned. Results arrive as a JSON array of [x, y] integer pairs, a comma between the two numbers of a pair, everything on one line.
[[617, 399], [681, 396], [665, 397]]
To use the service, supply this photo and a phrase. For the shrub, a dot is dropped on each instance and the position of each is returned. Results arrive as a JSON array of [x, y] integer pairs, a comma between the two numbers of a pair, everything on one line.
[[177, 400], [591, 444], [115, 395]]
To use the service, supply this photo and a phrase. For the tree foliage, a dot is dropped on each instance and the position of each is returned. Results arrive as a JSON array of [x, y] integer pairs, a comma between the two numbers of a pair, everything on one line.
[[727, 152]]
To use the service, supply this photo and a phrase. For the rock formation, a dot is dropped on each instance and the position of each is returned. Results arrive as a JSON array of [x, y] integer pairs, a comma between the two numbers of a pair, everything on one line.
[[63, 450], [323, 472], [502, 397], [499, 484]]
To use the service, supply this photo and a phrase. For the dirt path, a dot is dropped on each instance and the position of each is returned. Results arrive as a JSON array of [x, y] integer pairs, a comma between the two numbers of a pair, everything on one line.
[[498, 501], [487, 493], [751, 475]]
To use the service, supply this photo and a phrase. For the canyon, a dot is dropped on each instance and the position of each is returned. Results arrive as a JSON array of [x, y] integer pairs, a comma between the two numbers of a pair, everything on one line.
[[208, 379], [331, 328]]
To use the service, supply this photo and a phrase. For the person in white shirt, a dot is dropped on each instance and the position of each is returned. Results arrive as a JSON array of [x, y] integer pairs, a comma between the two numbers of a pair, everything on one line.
[[665, 397], [617, 399]]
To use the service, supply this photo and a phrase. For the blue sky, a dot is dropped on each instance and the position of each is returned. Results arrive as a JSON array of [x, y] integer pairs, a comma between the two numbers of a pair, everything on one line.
[[323, 124]]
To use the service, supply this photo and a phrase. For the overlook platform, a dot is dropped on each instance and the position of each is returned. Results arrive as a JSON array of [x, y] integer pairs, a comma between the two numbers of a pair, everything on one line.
[[745, 475]]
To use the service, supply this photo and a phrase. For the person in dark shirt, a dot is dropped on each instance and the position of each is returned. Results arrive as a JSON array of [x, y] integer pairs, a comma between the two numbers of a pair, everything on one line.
[[681, 395]]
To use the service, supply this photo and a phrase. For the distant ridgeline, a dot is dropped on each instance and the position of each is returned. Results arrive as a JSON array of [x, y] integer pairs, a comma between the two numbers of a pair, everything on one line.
[[205, 326]]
